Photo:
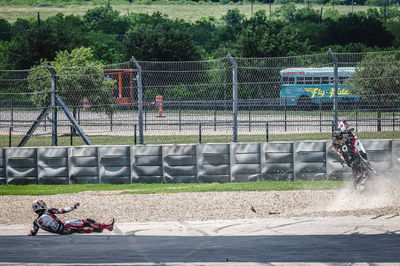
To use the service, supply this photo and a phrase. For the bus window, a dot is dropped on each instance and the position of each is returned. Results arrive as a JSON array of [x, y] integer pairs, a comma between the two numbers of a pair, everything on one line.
[[309, 80], [325, 80], [342, 80], [300, 80], [288, 80], [317, 80]]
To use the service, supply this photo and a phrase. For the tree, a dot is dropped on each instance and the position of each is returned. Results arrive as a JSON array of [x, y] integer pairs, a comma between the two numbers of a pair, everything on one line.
[[79, 76], [377, 74], [264, 38], [106, 47], [42, 40], [358, 28], [233, 17], [107, 20], [157, 38], [204, 33], [5, 30]]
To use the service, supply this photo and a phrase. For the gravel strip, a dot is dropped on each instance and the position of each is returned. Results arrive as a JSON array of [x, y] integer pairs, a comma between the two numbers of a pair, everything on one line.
[[381, 200]]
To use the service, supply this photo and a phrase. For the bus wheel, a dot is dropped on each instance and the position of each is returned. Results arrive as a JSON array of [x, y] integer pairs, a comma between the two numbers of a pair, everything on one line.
[[304, 103]]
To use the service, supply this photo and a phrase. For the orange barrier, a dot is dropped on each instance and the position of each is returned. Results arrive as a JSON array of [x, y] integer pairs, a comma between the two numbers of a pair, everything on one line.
[[159, 106]]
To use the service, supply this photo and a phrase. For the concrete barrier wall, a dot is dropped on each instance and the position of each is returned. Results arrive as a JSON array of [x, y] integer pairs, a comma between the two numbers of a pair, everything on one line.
[[147, 164], [277, 162], [179, 163], [52, 165], [3, 180], [114, 164], [310, 160], [234, 162], [213, 163], [21, 166], [396, 156], [245, 162], [83, 165]]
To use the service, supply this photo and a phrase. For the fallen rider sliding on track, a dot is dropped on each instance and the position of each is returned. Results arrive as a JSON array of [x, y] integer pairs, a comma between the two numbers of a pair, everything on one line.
[[48, 221]]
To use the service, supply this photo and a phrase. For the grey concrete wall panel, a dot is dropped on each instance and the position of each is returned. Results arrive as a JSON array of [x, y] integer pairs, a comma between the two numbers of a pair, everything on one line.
[[146, 164], [309, 160], [2, 167], [213, 163], [396, 156], [279, 157], [379, 154], [245, 162], [179, 163], [82, 161], [84, 151], [21, 166], [83, 165], [114, 164], [52, 165], [277, 161]]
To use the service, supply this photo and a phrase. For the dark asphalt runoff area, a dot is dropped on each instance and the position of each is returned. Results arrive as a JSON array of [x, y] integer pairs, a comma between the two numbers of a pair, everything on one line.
[[278, 241]]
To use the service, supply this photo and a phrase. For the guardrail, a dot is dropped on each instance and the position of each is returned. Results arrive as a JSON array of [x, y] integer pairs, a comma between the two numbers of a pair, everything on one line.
[[234, 162]]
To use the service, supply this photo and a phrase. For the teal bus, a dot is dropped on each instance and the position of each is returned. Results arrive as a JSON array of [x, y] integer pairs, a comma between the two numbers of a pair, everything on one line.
[[312, 86]]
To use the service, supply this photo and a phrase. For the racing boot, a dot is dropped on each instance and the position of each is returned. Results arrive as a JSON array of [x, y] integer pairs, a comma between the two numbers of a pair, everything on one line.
[[109, 226]]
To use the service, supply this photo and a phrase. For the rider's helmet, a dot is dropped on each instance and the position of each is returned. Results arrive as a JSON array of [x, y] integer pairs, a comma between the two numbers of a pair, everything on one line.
[[38, 206]]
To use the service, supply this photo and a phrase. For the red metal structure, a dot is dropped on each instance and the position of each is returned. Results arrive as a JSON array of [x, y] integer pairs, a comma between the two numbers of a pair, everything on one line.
[[122, 91]]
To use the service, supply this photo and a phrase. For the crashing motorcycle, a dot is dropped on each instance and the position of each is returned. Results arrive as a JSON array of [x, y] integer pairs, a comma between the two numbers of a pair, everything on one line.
[[352, 153]]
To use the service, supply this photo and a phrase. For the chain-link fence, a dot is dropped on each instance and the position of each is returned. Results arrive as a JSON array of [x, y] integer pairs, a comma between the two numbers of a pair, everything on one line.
[[224, 100]]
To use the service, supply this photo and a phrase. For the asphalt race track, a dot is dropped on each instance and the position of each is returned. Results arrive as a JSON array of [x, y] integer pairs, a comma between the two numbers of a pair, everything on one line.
[[278, 241]]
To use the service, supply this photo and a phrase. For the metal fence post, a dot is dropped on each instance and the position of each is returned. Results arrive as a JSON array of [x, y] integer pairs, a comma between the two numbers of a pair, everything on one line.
[[335, 85], [53, 105], [200, 133], [234, 96], [140, 99], [12, 114], [10, 137]]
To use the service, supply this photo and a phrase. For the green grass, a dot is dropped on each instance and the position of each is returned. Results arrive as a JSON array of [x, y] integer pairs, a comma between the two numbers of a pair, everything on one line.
[[187, 12], [170, 188], [39, 141]]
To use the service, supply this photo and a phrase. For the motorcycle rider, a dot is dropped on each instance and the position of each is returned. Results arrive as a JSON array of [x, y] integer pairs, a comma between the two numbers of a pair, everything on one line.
[[345, 142], [48, 221]]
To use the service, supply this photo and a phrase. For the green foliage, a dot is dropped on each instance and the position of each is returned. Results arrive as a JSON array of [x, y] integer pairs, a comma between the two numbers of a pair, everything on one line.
[[5, 30], [79, 75], [106, 47], [380, 2], [393, 27], [3, 51], [157, 38], [114, 37], [377, 74], [42, 40], [233, 17], [106, 19], [359, 28], [332, 14], [263, 38], [205, 34], [290, 13]]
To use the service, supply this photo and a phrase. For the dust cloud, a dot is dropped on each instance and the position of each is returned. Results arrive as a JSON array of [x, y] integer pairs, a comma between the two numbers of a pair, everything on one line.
[[380, 191]]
